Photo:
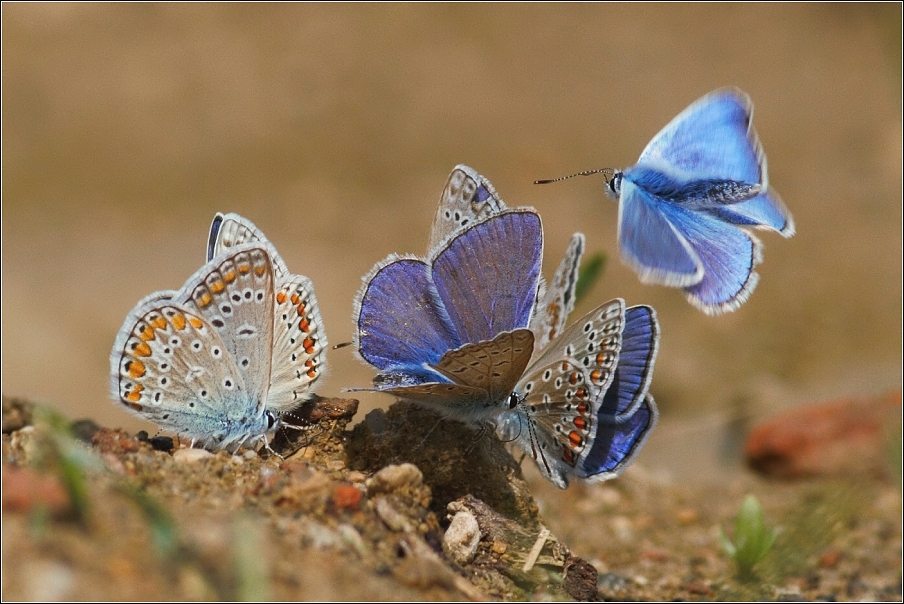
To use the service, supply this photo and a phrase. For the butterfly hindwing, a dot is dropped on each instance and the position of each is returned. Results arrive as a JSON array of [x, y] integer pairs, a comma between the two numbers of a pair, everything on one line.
[[557, 302], [230, 230], [467, 198], [299, 344], [616, 443]]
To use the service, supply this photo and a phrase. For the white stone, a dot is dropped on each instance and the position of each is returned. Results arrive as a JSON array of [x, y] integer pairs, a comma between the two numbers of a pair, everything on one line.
[[461, 538]]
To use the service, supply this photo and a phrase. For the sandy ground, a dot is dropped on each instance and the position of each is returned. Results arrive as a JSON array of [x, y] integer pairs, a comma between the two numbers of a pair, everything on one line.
[[125, 128]]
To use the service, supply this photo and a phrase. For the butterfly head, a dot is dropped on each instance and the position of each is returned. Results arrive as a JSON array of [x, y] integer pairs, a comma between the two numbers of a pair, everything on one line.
[[613, 183]]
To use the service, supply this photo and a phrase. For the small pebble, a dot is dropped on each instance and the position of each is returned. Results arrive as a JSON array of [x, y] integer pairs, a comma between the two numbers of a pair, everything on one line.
[[462, 538], [392, 478], [191, 455]]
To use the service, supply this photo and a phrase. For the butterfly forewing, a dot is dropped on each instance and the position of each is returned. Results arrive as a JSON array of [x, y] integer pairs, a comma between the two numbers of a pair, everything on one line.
[[467, 198], [711, 139], [176, 370], [482, 295], [494, 366], [235, 294]]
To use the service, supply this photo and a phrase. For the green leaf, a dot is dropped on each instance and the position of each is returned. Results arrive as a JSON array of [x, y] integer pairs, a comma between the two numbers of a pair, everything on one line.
[[588, 274]]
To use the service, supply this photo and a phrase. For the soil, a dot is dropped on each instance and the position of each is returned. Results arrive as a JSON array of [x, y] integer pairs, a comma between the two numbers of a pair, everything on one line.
[[333, 513]]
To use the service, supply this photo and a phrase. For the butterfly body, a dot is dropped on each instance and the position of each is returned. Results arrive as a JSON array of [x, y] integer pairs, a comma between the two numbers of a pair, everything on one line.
[[685, 207], [221, 360]]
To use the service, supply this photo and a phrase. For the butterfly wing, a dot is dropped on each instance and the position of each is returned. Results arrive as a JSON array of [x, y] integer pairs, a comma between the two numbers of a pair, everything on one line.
[[299, 344], [467, 198], [551, 313], [727, 254], [649, 241], [230, 230], [487, 276], [618, 441], [712, 139], [480, 377], [634, 372], [234, 293], [399, 317], [494, 366], [170, 366]]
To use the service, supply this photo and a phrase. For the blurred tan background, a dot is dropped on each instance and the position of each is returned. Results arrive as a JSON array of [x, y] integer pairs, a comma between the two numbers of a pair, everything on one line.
[[334, 127]]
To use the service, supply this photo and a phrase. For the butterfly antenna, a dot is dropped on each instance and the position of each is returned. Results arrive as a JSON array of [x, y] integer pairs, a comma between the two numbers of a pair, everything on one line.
[[607, 172], [342, 345]]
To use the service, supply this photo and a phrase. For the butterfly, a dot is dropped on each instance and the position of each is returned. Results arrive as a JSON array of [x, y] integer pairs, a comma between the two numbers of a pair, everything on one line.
[[452, 333], [685, 207], [222, 359]]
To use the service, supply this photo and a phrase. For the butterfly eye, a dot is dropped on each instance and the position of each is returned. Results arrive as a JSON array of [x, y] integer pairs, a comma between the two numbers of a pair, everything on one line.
[[271, 420], [615, 183], [513, 400]]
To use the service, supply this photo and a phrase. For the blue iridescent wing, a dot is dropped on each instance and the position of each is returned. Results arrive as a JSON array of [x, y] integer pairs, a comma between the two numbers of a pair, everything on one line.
[[487, 275], [467, 198], [399, 317], [649, 241], [617, 443], [727, 255], [765, 211], [711, 139], [631, 381]]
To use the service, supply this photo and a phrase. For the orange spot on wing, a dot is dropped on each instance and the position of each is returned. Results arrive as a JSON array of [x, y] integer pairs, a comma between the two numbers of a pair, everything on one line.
[[136, 369], [311, 373], [217, 286], [573, 378], [196, 322], [580, 423], [301, 310], [565, 366], [567, 456], [596, 375], [295, 299], [281, 298], [179, 322], [244, 268], [575, 439], [309, 363], [229, 276], [304, 325], [582, 408], [308, 345], [204, 299], [147, 334], [260, 270], [142, 350]]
